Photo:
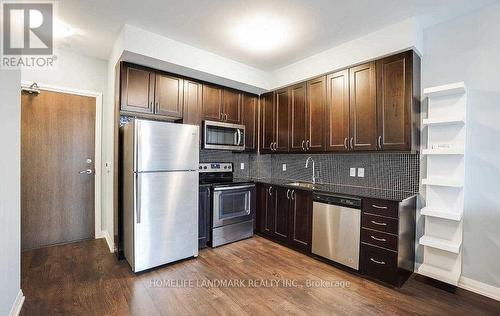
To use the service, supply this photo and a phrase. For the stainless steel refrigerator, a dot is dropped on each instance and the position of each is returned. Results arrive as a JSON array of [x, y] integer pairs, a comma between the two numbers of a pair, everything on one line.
[[160, 192]]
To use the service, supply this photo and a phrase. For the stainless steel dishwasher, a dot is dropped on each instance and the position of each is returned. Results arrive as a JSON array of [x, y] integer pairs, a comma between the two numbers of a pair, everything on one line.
[[336, 228]]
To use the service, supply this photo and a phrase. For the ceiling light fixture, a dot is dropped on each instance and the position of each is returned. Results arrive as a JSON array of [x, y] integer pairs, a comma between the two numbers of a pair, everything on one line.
[[261, 33]]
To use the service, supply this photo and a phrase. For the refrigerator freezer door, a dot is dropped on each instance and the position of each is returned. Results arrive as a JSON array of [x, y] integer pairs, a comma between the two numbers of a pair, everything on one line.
[[165, 218], [166, 146]]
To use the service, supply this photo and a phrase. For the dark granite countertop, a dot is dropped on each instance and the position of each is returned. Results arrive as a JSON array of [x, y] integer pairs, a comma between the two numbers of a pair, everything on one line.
[[340, 189]]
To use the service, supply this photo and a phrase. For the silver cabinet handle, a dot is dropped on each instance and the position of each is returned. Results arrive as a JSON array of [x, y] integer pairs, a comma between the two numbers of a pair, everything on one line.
[[288, 194], [379, 142], [378, 239], [376, 261], [378, 223], [303, 141], [345, 143], [379, 207], [137, 200], [307, 144], [352, 142], [293, 194], [270, 190], [87, 171], [225, 117]]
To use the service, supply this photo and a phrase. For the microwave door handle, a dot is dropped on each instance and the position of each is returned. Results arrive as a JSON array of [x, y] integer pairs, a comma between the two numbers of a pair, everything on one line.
[[238, 131]]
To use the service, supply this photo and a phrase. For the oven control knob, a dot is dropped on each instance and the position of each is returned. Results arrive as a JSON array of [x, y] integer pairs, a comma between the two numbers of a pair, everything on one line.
[[205, 167]]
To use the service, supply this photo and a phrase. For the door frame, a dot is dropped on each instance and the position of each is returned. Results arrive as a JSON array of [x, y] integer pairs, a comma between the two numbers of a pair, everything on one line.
[[98, 232]]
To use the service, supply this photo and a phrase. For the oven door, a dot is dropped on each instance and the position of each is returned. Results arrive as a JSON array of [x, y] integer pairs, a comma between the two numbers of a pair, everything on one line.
[[225, 136], [233, 204]]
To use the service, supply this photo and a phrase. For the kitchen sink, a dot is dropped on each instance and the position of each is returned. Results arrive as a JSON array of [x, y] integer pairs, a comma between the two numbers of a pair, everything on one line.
[[307, 185]]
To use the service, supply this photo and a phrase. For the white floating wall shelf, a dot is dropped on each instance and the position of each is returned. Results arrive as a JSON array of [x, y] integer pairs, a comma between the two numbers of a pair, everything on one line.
[[443, 183]]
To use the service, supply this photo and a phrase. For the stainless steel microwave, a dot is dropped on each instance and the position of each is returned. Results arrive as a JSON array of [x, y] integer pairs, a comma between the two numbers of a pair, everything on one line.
[[223, 136]]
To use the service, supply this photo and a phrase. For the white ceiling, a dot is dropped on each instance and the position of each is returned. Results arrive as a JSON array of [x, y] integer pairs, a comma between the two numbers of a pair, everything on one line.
[[314, 25]]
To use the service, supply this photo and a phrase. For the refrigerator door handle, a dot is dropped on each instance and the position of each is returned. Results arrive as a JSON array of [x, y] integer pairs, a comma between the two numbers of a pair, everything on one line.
[[137, 199]]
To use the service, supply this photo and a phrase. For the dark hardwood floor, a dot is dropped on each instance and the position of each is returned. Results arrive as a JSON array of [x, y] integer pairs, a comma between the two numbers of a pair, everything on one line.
[[85, 279]]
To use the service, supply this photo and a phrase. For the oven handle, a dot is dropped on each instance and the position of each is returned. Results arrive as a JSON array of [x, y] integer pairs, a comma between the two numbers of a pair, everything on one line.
[[234, 188]]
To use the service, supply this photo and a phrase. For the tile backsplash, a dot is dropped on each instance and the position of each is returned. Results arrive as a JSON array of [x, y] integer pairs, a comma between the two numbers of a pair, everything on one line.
[[388, 171]]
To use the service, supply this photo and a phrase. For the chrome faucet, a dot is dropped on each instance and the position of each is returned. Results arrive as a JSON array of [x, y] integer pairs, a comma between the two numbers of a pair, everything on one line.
[[313, 168]]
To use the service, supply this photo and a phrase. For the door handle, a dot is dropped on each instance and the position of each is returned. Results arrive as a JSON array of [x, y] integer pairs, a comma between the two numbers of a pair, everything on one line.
[[345, 143], [288, 194], [352, 142], [376, 261], [293, 195], [307, 144], [379, 142], [270, 191], [303, 141], [87, 171], [239, 136]]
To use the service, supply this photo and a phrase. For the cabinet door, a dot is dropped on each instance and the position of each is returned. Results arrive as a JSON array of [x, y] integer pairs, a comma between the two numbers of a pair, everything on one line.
[[168, 95], [282, 104], [337, 111], [298, 117], [362, 105], [315, 127], [249, 105], [270, 211], [281, 228], [394, 100], [231, 108], [267, 122], [137, 89], [301, 219], [212, 103], [192, 102]]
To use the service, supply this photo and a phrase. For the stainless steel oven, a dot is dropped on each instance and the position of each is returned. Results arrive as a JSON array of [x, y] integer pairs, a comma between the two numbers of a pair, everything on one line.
[[233, 212], [224, 136]]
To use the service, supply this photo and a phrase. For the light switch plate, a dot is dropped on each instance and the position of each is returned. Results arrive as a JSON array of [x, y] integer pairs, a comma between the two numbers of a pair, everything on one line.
[[242, 165], [283, 166], [352, 172], [361, 172]]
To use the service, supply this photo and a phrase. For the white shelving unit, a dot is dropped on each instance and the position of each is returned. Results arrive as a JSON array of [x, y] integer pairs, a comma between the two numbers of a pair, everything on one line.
[[443, 183]]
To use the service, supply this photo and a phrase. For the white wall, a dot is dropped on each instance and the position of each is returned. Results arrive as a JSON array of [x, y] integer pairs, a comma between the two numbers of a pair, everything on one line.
[[468, 49], [10, 190], [394, 38], [77, 72]]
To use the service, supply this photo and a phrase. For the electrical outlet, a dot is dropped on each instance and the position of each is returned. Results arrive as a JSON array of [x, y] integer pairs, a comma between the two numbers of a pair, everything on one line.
[[242, 165], [352, 172], [283, 166], [361, 172]]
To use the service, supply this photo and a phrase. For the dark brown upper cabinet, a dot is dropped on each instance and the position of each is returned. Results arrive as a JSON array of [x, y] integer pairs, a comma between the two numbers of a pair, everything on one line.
[[231, 106], [337, 111], [137, 89], [282, 104], [212, 103], [298, 117], [192, 102], [363, 107], [267, 122], [397, 106], [249, 109], [315, 114], [168, 95]]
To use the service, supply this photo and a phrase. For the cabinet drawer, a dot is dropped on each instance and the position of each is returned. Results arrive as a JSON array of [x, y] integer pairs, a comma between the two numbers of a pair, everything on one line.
[[380, 223], [381, 207], [379, 263], [376, 238]]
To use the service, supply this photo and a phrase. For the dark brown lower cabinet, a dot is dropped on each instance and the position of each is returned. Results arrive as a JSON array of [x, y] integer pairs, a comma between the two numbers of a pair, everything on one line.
[[388, 240], [387, 249], [285, 215], [203, 216]]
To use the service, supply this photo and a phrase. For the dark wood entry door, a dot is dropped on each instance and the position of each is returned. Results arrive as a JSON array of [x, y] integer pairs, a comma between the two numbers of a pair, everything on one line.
[[57, 143]]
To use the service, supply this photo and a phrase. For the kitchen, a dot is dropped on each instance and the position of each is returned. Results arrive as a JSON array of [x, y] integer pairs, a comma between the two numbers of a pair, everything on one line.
[[338, 181]]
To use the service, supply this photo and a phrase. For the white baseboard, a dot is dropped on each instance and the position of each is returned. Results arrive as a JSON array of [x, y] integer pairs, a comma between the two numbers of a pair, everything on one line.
[[104, 234], [480, 288], [18, 304]]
